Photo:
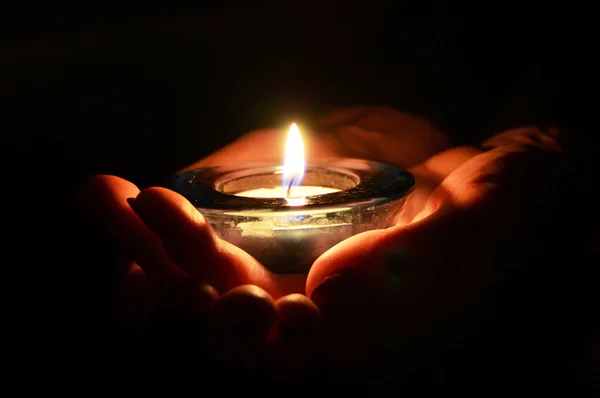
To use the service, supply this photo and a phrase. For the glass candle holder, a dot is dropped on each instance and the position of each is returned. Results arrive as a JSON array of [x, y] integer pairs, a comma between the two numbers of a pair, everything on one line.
[[338, 198]]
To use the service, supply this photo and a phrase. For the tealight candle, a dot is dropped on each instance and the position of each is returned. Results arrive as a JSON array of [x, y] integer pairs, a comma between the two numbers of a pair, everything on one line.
[[293, 172], [287, 216]]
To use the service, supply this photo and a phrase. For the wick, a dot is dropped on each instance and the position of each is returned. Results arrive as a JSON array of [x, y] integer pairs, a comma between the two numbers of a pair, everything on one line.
[[287, 195]]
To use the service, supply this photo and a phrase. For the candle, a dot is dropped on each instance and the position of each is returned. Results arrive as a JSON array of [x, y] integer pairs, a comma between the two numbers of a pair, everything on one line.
[[287, 215], [294, 167]]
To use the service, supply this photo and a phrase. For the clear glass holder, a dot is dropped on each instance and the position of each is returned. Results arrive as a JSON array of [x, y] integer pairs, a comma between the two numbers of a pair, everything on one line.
[[287, 236]]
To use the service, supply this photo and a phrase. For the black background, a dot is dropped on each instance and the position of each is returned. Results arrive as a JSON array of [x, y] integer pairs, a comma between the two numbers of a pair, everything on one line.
[[141, 90]]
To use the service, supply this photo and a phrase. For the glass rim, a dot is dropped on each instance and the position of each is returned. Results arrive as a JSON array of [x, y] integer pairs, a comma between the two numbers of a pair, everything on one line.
[[376, 183]]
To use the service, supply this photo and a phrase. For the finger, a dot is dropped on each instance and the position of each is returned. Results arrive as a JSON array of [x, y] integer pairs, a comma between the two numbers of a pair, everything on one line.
[[344, 304], [383, 134], [190, 298], [135, 297], [296, 338], [444, 163], [107, 198], [178, 329], [430, 174], [526, 137], [182, 313], [192, 243], [242, 319]]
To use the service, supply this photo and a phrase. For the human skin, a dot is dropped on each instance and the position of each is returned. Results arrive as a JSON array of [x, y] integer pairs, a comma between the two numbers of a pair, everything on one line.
[[464, 199]]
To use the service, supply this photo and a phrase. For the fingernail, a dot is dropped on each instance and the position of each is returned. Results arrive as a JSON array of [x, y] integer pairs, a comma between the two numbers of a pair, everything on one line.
[[337, 293]]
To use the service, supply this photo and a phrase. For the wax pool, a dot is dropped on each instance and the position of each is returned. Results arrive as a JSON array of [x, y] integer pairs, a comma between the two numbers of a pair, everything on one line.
[[301, 191]]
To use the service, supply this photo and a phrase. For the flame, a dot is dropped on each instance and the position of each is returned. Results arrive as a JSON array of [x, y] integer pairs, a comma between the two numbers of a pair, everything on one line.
[[293, 162]]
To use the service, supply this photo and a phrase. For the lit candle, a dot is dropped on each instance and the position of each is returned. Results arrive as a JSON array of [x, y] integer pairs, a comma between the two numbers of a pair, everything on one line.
[[287, 215], [294, 166]]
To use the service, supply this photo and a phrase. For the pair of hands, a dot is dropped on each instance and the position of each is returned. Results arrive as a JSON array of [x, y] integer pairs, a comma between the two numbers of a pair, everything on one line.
[[368, 292]]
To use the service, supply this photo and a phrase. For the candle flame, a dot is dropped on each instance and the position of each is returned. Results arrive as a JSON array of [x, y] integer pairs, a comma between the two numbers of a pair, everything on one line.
[[293, 162]]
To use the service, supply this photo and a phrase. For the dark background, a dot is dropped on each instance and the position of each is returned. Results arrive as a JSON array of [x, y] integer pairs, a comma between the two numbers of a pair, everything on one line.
[[141, 90]]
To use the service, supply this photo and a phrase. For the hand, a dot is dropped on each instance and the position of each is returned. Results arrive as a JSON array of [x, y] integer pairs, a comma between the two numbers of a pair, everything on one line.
[[186, 267], [475, 255], [169, 240], [456, 189]]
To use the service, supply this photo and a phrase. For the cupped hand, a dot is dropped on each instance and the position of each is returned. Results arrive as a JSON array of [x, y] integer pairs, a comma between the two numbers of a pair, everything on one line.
[[177, 256], [494, 212], [180, 268], [365, 284]]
